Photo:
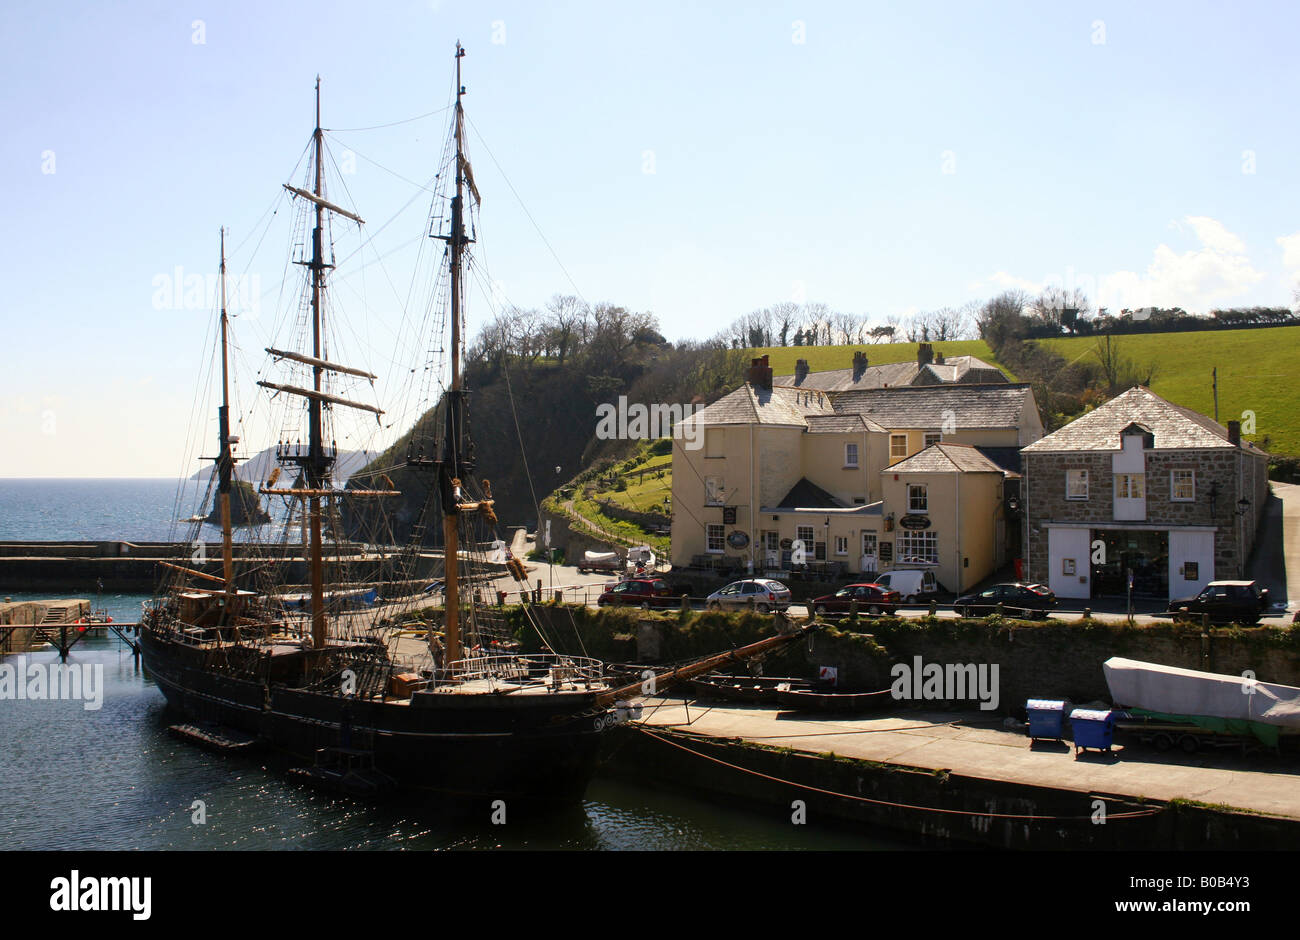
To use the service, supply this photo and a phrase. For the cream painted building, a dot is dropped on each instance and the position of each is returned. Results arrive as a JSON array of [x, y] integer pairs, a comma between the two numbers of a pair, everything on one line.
[[790, 467], [946, 512]]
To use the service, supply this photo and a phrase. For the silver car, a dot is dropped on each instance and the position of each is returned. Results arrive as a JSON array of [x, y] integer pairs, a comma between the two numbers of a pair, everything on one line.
[[767, 595]]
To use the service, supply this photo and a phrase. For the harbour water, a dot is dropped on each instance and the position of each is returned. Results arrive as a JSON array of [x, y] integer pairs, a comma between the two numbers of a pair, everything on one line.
[[114, 779]]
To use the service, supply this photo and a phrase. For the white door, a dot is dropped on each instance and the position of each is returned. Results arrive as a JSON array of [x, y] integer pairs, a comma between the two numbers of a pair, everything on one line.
[[1068, 560], [1191, 562]]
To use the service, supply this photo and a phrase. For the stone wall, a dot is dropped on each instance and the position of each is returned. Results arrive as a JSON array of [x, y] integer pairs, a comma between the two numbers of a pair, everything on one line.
[[1053, 659], [572, 541], [1046, 487], [646, 520]]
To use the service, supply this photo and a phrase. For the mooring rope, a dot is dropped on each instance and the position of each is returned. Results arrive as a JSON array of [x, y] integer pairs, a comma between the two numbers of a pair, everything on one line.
[[863, 799]]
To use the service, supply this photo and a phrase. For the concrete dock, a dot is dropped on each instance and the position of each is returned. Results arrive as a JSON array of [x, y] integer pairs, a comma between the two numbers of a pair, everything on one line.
[[966, 763]]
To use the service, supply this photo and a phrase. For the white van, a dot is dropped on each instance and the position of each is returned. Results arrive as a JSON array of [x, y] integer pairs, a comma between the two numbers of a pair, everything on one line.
[[912, 585]]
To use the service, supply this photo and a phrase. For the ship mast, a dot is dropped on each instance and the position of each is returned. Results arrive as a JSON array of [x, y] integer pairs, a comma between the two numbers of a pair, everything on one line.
[[317, 463], [225, 461], [452, 463]]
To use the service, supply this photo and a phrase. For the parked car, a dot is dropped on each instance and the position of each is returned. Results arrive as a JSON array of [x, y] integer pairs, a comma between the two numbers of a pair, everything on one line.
[[1015, 598], [871, 598], [1225, 602], [639, 592], [767, 595], [911, 584]]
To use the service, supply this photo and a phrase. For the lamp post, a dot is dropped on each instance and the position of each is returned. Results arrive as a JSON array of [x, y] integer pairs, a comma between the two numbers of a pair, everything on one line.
[[1243, 506]]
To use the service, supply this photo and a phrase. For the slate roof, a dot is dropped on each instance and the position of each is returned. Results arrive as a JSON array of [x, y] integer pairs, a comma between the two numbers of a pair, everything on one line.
[[1008, 458], [955, 369], [808, 495], [971, 406], [853, 424], [1173, 426], [946, 458], [755, 405]]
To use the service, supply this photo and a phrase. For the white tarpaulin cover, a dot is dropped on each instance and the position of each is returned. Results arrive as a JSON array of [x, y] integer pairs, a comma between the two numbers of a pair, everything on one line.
[[1171, 690], [600, 558]]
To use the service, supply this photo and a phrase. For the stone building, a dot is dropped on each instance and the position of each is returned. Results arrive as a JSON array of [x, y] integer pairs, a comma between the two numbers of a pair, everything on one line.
[[1141, 486]]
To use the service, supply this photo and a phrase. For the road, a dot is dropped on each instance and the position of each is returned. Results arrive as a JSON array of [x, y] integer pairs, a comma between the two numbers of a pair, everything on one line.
[[575, 586]]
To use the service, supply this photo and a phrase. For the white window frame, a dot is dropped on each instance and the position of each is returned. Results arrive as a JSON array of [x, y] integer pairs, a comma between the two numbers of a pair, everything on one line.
[[923, 544], [712, 531], [893, 451], [1071, 480], [851, 455], [841, 545], [808, 540], [1130, 486], [1173, 486], [931, 438], [915, 505]]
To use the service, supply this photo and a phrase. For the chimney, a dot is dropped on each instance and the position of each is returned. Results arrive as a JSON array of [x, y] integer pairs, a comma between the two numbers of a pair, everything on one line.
[[924, 354], [760, 373], [1234, 433], [859, 364], [800, 370], [938, 358]]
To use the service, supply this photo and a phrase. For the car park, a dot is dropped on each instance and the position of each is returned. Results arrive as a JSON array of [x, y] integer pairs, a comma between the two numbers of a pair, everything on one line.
[[639, 592], [1224, 602], [1015, 598], [765, 595], [871, 599]]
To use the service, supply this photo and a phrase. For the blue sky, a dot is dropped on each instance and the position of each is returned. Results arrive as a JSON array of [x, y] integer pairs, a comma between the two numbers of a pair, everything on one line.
[[883, 159]]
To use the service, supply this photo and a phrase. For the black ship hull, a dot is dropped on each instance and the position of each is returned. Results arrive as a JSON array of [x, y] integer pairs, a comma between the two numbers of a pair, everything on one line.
[[530, 749]]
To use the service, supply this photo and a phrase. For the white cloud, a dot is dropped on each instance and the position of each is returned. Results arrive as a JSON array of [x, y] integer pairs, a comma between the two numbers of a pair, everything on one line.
[[1290, 252], [1217, 273]]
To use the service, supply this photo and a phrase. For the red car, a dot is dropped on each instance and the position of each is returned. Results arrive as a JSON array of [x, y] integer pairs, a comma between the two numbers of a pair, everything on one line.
[[871, 598], [640, 592]]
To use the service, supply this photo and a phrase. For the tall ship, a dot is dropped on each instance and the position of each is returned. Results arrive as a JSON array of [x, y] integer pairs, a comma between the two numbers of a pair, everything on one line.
[[304, 642]]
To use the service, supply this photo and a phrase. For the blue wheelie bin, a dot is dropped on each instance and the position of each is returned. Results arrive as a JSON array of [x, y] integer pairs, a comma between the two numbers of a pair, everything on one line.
[[1046, 718], [1092, 727]]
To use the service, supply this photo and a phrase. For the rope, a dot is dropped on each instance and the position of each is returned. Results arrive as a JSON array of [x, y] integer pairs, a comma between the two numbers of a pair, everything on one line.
[[375, 127], [863, 799]]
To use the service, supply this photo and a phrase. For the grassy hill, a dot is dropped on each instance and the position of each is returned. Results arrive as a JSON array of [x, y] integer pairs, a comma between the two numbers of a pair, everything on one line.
[[824, 358], [1255, 374]]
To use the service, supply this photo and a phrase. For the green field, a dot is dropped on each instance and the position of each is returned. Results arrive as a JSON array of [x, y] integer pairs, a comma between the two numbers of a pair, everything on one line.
[[825, 358], [1254, 371], [1254, 376]]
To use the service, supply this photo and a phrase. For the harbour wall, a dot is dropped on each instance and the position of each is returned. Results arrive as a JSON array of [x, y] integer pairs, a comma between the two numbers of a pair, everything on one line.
[[1035, 659], [20, 613], [133, 567], [933, 807], [1053, 659]]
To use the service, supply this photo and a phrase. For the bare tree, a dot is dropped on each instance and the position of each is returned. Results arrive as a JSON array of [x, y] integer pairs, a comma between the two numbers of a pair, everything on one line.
[[566, 316], [1060, 308]]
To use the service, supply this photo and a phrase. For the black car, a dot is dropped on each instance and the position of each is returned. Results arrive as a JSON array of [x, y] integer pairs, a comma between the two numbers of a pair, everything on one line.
[[1225, 602], [1016, 598]]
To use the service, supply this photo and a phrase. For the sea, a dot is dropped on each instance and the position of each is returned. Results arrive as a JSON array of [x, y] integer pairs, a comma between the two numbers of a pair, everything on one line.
[[113, 778]]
